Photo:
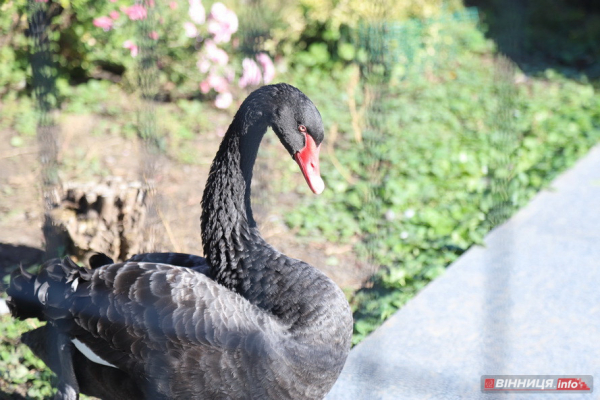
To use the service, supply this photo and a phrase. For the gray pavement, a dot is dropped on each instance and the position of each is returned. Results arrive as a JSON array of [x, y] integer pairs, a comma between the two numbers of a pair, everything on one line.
[[526, 303]]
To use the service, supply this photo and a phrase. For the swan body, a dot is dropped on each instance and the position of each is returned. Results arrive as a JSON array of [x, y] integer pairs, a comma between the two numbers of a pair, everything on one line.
[[246, 322]]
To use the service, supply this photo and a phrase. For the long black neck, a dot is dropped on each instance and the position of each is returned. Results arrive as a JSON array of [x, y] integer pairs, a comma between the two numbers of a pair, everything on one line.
[[296, 293], [228, 228]]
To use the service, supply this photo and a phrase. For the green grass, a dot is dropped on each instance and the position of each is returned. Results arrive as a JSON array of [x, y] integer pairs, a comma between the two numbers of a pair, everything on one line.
[[22, 372]]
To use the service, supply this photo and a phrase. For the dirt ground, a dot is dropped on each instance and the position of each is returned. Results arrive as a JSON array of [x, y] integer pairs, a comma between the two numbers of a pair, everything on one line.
[[84, 157]]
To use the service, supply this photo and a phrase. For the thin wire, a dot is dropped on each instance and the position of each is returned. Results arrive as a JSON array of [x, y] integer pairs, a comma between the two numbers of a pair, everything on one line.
[[147, 127], [45, 94], [375, 73], [504, 141], [253, 31]]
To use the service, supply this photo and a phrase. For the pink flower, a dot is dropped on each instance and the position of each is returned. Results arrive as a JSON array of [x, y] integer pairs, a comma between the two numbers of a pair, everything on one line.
[[103, 22], [215, 54], [128, 44], [113, 1], [205, 86], [190, 29], [114, 15], [218, 83], [41, 1], [229, 74], [196, 11], [153, 35], [251, 73], [219, 32], [203, 64], [223, 23], [135, 12], [268, 68], [218, 11], [173, 5], [223, 100]]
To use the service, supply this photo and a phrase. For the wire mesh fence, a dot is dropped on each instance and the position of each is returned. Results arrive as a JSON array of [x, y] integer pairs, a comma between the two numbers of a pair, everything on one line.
[[44, 91], [389, 52]]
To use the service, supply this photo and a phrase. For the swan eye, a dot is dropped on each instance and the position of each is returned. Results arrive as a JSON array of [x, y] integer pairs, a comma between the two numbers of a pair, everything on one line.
[[302, 128]]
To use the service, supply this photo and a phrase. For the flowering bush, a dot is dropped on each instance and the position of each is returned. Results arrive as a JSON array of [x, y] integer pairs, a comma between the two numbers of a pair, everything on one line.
[[205, 36], [196, 48]]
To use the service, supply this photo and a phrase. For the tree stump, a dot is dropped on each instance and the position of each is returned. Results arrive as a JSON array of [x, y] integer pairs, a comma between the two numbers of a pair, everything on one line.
[[109, 217]]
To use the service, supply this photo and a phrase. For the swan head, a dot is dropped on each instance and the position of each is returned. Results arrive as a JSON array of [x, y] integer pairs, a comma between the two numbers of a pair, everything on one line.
[[298, 124]]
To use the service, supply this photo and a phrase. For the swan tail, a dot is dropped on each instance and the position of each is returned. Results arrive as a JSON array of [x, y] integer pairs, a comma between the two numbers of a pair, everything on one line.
[[21, 299], [44, 295]]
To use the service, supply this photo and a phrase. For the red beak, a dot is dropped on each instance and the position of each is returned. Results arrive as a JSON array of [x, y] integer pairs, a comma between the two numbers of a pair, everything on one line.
[[308, 160]]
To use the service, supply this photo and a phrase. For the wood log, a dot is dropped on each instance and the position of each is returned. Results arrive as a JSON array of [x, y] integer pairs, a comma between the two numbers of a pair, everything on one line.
[[108, 217]]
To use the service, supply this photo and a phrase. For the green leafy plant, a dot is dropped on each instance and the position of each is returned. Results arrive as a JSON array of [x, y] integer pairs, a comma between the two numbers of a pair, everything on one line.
[[442, 148], [21, 369]]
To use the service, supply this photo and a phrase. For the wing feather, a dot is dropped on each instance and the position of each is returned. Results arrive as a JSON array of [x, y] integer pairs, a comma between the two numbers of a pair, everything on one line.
[[156, 319]]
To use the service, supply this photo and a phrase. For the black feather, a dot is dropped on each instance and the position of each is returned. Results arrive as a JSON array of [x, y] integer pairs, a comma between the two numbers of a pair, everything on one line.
[[99, 259]]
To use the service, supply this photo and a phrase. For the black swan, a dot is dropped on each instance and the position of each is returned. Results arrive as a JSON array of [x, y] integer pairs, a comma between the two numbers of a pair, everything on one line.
[[247, 322]]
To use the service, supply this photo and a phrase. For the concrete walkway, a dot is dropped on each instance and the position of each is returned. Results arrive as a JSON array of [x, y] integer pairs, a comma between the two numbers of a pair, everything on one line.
[[528, 303]]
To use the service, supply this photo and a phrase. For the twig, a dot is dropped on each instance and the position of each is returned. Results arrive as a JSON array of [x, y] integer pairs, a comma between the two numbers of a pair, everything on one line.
[[169, 231], [332, 138], [66, 142], [18, 153], [354, 81]]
